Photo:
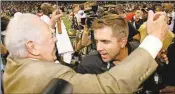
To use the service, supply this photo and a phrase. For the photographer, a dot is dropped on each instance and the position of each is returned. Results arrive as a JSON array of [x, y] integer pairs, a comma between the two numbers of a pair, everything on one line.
[[86, 37]]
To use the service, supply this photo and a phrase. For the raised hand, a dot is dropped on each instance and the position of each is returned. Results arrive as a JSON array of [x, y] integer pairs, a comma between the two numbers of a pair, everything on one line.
[[157, 24], [55, 17]]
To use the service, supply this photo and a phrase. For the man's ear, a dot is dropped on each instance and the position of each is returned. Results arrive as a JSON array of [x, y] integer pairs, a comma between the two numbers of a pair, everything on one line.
[[31, 48], [123, 42]]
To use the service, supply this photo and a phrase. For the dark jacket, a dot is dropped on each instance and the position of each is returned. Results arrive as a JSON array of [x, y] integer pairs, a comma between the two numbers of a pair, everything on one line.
[[93, 64]]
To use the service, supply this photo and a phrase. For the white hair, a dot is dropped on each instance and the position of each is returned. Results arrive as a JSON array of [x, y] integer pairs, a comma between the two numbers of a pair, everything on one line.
[[17, 14], [20, 29]]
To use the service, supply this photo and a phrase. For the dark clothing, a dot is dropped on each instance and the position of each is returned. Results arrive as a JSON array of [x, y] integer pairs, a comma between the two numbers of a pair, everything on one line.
[[132, 31], [165, 73], [153, 83], [168, 73], [138, 23], [174, 27], [93, 64], [2, 87]]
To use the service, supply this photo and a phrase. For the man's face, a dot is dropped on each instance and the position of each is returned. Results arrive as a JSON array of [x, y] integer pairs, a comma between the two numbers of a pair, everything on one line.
[[108, 45], [47, 46], [137, 13], [145, 15]]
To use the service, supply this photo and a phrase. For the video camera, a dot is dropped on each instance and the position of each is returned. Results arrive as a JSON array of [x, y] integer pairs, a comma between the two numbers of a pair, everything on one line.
[[91, 16]]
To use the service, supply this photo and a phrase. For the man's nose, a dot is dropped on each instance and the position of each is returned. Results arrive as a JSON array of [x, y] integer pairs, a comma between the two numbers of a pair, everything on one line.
[[99, 46]]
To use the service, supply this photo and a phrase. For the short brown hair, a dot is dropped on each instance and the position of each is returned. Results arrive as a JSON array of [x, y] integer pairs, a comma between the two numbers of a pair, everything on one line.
[[46, 8], [118, 25]]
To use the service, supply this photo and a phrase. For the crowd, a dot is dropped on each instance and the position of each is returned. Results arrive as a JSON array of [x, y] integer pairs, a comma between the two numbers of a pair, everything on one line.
[[120, 47], [9, 8]]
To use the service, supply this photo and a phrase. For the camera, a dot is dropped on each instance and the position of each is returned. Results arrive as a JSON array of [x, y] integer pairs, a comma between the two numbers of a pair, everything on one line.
[[89, 21], [91, 16]]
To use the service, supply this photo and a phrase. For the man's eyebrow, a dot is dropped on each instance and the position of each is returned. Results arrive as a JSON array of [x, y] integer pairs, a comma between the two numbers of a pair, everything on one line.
[[105, 40]]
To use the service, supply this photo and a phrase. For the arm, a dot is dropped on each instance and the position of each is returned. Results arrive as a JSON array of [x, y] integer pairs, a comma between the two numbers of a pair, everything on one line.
[[78, 46], [54, 18], [84, 40], [85, 37], [126, 77], [123, 78]]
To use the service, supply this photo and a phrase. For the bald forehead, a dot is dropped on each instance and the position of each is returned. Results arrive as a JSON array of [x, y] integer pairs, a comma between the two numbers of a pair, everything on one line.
[[37, 21]]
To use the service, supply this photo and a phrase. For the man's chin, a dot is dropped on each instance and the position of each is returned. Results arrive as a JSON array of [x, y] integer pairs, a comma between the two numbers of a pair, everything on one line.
[[54, 57], [105, 60]]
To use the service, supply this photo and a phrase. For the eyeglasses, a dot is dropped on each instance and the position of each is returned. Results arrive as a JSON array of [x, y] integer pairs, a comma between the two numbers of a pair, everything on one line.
[[53, 35]]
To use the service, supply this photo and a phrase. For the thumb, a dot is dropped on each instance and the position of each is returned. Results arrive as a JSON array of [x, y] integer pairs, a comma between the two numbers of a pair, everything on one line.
[[150, 15], [55, 18]]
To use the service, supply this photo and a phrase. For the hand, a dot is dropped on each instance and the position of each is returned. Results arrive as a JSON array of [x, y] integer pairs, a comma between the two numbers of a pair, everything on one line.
[[157, 24], [162, 57], [168, 90], [55, 17]]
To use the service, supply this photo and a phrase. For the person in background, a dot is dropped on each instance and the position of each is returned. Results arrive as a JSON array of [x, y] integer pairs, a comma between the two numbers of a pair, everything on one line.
[[169, 9], [4, 53], [137, 20]]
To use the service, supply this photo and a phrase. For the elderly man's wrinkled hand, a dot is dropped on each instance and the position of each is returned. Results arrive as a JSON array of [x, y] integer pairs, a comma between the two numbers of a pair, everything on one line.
[[157, 24], [56, 15]]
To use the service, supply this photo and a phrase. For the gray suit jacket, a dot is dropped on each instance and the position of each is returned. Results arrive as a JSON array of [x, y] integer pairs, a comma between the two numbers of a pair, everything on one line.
[[31, 76]]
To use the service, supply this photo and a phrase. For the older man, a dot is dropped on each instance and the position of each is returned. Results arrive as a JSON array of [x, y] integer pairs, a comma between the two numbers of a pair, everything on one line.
[[31, 65]]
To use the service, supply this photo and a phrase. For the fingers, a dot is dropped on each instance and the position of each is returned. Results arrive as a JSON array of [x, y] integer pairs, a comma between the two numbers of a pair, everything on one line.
[[56, 15], [154, 17], [160, 13], [150, 15], [149, 21], [60, 12], [157, 24], [55, 18], [166, 28], [162, 18], [162, 25]]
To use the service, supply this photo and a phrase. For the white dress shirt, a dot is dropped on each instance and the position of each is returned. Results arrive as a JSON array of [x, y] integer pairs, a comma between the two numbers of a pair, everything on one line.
[[152, 44]]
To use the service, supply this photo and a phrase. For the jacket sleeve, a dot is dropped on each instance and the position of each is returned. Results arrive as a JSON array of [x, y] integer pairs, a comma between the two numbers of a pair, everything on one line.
[[123, 78]]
